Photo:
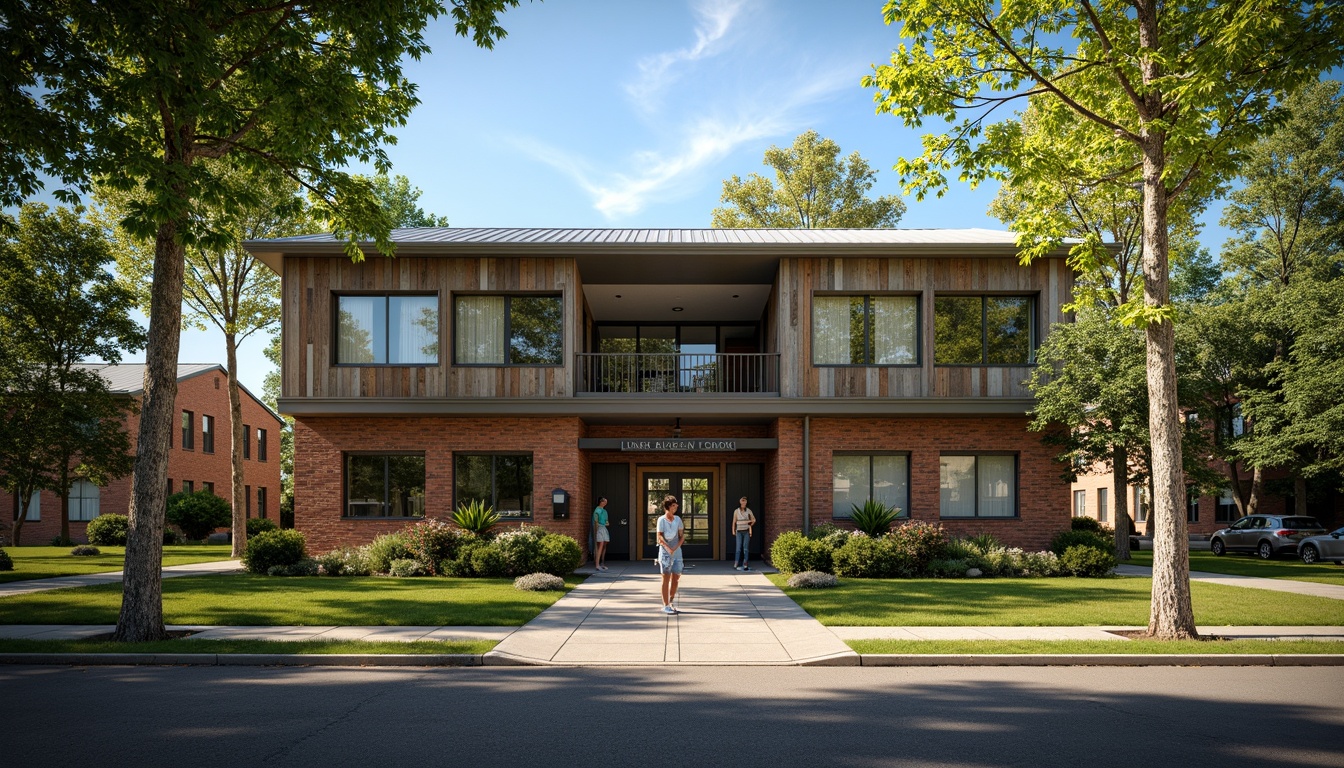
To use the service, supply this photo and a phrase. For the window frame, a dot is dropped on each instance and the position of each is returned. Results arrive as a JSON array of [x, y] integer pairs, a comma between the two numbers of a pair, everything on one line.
[[1017, 485], [1033, 341], [345, 485], [188, 430], [262, 499], [387, 325], [905, 508], [1103, 504], [867, 327], [247, 441], [207, 436], [508, 327], [261, 444], [1080, 503], [494, 483]]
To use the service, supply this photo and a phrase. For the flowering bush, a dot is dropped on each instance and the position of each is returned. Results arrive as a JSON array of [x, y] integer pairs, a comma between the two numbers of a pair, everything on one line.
[[380, 552], [346, 561], [405, 568], [539, 582], [432, 541], [813, 580], [918, 542]]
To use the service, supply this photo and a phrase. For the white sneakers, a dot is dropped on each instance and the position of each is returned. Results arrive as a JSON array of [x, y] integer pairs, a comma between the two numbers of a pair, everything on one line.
[[669, 609]]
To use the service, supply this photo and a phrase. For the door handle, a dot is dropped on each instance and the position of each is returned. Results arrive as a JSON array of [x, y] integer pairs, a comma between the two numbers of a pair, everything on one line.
[[623, 522]]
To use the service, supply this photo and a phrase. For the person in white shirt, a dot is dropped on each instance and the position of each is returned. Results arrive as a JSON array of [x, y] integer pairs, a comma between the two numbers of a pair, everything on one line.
[[671, 535], [743, 523]]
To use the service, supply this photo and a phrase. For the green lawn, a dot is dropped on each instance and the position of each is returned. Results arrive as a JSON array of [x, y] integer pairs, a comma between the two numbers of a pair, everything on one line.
[[1250, 565], [247, 646], [1095, 646], [246, 599], [1046, 602], [45, 562]]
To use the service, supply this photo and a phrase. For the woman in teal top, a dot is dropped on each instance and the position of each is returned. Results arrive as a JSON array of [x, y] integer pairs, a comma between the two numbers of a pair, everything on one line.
[[600, 534]]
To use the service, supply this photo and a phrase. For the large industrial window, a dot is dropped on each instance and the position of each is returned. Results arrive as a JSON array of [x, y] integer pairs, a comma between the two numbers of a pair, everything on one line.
[[983, 330], [508, 330]]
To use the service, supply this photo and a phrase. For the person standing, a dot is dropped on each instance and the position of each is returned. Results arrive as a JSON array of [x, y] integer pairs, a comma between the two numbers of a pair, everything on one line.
[[743, 524], [671, 535], [600, 534]]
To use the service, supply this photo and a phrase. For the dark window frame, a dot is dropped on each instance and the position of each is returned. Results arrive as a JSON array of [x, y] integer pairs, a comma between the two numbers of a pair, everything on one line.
[[387, 325], [494, 480], [207, 436], [206, 485], [262, 502], [261, 444], [508, 327], [188, 486], [867, 328], [1033, 342], [188, 430], [247, 441], [1017, 486], [905, 509], [345, 484]]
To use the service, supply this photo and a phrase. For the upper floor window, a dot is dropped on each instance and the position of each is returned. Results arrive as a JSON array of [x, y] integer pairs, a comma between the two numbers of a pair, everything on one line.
[[858, 478], [247, 441], [865, 330], [977, 486], [261, 445], [207, 434], [387, 330], [188, 431], [508, 330], [983, 330]]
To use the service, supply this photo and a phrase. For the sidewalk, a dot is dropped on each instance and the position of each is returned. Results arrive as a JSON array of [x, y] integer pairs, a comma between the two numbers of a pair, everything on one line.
[[1332, 591], [11, 588]]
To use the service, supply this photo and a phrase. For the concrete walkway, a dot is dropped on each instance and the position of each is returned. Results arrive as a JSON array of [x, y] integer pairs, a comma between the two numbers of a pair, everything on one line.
[[11, 588], [1332, 591]]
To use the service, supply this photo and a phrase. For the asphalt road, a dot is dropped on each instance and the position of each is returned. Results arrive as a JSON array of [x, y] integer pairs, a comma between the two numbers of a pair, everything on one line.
[[697, 716]]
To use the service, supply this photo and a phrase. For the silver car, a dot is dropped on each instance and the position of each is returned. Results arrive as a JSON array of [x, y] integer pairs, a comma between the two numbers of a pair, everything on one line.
[[1327, 546], [1265, 535]]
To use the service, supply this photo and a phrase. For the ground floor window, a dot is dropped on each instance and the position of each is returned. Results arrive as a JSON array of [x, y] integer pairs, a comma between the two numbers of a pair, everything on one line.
[[502, 481], [977, 485], [1226, 510], [1192, 506], [1140, 505], [1080, 503], [382, 485], [1102, 504], [857, 478], [83, 500]]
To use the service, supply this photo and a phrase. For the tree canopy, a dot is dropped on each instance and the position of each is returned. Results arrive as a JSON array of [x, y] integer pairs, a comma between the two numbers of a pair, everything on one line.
[[401, 201]]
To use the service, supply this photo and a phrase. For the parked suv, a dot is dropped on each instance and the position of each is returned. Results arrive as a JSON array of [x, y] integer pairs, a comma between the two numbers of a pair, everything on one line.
[[1265, 535], [1325, 547]]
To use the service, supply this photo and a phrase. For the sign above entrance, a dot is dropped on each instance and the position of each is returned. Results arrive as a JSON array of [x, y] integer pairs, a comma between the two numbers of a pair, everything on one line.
[[678, 444]]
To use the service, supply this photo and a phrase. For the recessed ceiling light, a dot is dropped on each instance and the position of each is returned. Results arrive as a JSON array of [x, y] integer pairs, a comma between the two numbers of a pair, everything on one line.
[[678, 309], [737, 296], [618, 295]]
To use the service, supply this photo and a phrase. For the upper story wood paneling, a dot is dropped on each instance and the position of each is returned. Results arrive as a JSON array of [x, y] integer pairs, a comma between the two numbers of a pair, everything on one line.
[[311, 283], [1050, 281]]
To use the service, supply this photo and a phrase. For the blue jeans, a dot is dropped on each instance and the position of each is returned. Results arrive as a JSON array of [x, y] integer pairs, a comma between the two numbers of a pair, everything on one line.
[[743, 553]]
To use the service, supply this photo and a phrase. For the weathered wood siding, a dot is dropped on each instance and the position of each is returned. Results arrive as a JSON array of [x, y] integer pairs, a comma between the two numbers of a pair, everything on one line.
[[1049, 280], [310, 283]]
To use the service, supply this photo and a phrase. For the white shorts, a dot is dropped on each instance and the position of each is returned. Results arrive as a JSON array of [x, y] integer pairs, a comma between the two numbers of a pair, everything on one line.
[[601, 534]]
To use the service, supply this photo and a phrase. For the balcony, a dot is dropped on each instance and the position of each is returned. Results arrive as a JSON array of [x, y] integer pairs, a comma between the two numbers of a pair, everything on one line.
[[716, 373]]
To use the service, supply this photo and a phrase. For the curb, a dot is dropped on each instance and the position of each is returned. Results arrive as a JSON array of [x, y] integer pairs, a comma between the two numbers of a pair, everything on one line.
[[248, 659], [1103, 660]]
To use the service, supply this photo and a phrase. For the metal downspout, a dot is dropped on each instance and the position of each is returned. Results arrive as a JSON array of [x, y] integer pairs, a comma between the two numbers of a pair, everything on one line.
[[807, 474]]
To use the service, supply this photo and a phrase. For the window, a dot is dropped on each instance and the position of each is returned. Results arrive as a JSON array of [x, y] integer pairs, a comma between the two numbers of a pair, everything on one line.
[[1191, 505], [858, 478], [508, 330], [34, 512], [977, 486], [188, 441], [208, 486], [502, 481], [1080, 503], [1103, 499], [207, 434], [261, 496], [261, 445], [84, 501], [1140, 505], [170, 486], [387, 330], [983, 330], [247, 501], [380, 486], [1226, 511], [188, 486], [247, 441], [865, 330]]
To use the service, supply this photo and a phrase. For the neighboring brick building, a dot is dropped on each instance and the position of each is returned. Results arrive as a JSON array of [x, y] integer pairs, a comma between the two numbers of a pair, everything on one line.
[[807, 370], [199, 459]]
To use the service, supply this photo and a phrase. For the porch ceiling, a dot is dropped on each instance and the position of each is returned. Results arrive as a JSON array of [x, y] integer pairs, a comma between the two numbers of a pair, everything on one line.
[[646, 303]]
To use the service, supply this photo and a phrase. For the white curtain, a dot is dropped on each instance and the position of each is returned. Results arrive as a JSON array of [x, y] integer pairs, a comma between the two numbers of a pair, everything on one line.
[[414, 330], [956, 486], [84, 499], [358, 339], [849, 485], [479, 331], [895, 330], [891, 481], [831, 330], [998, 486]]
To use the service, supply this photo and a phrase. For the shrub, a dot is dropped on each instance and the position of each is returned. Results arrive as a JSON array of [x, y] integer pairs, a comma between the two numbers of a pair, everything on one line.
[[84, 550], [1090, 562], [256, 525], [520, 548], [488, 561], [1001, 561], [461, 566], [272, 548], [813, 580], [794, 553], [475, 516], [198, 513], [304, 567], [405, 568], [1085, 524], [559, 555], [171, 536], [1066, 539], [380, 552], [947, 569], [433, 541], [823, 530], [61, 541], [109, 530], [6, 562], [864, 557], [984, 542], [539, 582], [918, 542], [346, 561], [1040, 564], [873, 518]]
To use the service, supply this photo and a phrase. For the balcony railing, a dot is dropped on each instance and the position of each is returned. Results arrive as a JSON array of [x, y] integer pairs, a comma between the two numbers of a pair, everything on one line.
[[665, 373]]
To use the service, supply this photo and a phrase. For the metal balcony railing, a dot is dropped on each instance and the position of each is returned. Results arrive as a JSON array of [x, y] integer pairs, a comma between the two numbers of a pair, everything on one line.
[[667, 373]]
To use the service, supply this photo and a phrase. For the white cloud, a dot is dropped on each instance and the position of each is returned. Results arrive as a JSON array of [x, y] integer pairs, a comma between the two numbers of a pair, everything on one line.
[[656, 72]]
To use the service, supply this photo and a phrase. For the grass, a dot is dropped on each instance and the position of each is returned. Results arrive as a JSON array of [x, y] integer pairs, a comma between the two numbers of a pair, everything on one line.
[[46, 562], [1062, 602], [1250, 565], [1095, 646], [248, 646], [247, 600]]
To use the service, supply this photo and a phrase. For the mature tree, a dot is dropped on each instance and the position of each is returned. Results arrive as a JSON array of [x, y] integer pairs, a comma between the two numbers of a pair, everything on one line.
[[137, 94], [1186, 86], [814, 187], [59, 306], [225, 286], [400, 200]]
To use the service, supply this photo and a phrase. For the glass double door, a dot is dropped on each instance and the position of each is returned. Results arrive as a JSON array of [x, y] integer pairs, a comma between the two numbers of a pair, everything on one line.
[[694, 490]]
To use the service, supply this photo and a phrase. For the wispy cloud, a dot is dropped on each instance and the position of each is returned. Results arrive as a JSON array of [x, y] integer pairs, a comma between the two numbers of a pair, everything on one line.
[[656, 72]]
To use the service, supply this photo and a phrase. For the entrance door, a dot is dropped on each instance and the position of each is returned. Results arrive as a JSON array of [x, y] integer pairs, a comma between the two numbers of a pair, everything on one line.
[[613, 481], [694, 490]]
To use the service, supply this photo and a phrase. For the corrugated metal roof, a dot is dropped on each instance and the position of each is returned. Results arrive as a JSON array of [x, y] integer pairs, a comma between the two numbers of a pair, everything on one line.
[[534, 235]]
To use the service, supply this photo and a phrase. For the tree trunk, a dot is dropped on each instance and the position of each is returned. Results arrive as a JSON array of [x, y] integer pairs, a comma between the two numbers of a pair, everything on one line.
[[65, 500], [1120, 490], [20, 513], [141, 618], [236, 452], [1257, 490], [1299, 495]]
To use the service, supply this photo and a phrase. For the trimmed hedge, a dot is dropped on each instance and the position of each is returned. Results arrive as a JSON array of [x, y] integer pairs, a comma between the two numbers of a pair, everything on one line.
[[109, 530], [198, 513], [256, 525], [274, 548]]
